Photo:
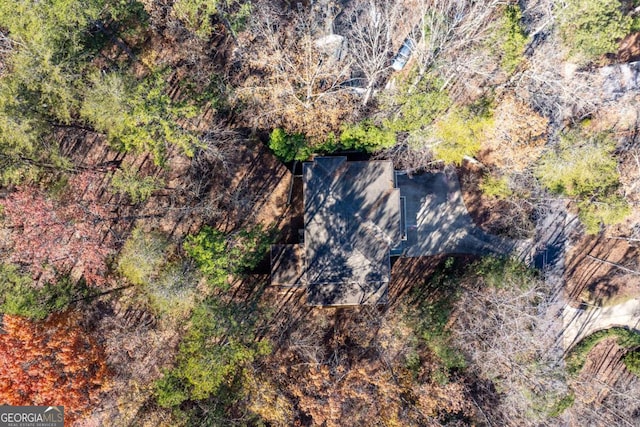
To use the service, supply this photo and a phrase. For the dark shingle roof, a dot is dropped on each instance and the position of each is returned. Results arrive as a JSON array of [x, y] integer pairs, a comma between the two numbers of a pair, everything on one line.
[[352, 218], [287, 265]]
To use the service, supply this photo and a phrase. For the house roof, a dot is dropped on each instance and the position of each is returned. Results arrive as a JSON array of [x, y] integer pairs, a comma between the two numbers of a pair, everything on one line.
[[352, 219], [287, 265]]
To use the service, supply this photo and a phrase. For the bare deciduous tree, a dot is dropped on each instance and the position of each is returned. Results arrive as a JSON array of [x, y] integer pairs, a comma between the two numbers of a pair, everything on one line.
[[374, 26], [446, 30], [510, 332], [298, 78], [620, 406]]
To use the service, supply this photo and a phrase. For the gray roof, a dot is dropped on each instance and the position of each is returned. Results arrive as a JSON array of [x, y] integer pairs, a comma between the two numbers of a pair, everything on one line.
[[287, 265], [352, 218]]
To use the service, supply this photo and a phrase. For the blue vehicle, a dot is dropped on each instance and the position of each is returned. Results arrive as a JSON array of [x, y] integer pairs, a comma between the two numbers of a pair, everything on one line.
[[403, 55]]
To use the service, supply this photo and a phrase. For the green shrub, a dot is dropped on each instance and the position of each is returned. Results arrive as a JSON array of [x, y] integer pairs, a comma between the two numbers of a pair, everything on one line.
[[205, 94], [496, 187], [219, 255], [366, 136], [548, 404], [428, 318], [147, 260], [606, 210], [18, 296], [578, 355], [171, 390], [58, 186], [197, 15], [511, 38], [591, 28], [138, 116], [220, 342], [209, 250], [43, 80], [564, 403], [632, 362], [583, 167], [289, 147], [459, 135], [138, 188], [249, 247], [502, 272], [172, 290], [580, 166], [635, 24], [416, 107], [240, 17], [142, 256]]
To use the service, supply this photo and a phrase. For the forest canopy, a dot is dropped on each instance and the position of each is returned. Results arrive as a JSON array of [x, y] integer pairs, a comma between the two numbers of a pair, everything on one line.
[[150, 158]]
